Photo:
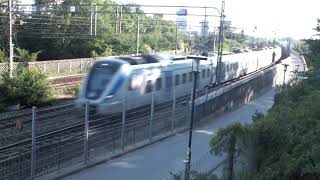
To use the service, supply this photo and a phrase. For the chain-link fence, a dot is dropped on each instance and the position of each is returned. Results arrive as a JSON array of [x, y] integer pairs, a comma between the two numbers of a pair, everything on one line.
[[63, 136], [208, 166], [55, 67], [35, 143]]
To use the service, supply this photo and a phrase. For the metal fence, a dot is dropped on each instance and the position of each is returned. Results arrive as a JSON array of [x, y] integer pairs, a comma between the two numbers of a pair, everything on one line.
[[55, 67], [37, 142], [43, 141], [209, 165]]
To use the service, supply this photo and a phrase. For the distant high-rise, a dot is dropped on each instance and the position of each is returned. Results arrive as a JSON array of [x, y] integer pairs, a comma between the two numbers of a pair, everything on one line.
[[27, 6], [159, 15], [182, 20], [204, 28]]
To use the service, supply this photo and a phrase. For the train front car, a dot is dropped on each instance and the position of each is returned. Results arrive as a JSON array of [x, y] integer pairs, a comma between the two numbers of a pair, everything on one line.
[[103, 83]]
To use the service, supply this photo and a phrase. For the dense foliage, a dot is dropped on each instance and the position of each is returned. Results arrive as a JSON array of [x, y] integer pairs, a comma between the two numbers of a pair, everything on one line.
[[3, 56], [58, 33], [285, 143], [27, 87]]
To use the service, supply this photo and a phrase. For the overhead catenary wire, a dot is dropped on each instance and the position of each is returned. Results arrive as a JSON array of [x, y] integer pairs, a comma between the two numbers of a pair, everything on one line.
[[77, 27]]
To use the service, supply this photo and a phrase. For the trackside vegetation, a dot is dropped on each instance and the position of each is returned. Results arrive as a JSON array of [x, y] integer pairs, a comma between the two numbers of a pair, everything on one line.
[[284, 143], [27, 87], [66, 35]]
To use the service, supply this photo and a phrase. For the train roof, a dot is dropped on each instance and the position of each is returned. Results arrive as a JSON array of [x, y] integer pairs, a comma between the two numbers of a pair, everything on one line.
[[150, 58]]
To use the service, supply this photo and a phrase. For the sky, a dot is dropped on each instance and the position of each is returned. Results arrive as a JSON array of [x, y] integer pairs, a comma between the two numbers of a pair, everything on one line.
[[272, 18]]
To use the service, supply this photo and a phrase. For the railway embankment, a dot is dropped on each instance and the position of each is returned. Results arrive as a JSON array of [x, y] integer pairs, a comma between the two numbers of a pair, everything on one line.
[[110, 136]]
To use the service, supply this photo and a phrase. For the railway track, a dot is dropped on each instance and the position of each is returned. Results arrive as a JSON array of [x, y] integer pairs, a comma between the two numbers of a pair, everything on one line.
[[102, 129], [58, 126], [53, 119], [66, 80]]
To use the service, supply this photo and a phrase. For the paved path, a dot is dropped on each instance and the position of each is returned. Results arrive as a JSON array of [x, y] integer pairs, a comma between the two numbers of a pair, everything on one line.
[[155, 161]]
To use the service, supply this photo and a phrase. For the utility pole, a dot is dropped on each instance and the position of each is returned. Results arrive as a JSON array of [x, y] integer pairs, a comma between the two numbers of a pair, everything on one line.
[[117, 19], [205, 26], [91, 19], [214, 39], [120, 21], [195, 70], [220, 44], [189, 41], [95, 20], [138, 35], [188, 164], [175, 52], [285, 66], [10, 40]]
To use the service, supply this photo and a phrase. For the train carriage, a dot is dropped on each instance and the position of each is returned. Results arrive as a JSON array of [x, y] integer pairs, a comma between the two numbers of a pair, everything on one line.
[[166, 76]]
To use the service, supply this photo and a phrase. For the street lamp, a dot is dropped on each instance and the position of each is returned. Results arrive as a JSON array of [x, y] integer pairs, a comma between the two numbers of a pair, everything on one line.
[[284, 74], [195, 71]]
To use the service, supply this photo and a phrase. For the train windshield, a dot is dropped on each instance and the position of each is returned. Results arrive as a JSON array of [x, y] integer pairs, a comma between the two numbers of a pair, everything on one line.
[[100, 76]]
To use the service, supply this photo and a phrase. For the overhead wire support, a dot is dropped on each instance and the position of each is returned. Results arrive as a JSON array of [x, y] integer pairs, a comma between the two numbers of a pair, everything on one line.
[[176, 45], [95, 20], [79, 25], [10, 40], [220, 44], [117, 19], [120, 21], [138, 35], [91, 16]]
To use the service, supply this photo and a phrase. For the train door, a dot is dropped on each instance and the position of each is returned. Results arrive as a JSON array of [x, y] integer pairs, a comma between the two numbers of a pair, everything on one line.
[[168, 83]]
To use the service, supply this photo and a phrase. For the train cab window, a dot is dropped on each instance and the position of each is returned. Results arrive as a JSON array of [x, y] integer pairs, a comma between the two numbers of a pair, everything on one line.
[[184, 78], [177, 79], [190, 76], [208, 73], [158, 84], [203, 73], [149, 86]]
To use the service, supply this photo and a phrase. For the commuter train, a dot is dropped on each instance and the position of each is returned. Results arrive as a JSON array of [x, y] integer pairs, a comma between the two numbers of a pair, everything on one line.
[[137, 78]]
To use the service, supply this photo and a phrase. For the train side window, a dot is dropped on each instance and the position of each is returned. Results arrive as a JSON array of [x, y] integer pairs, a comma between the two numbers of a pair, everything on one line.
[[177, 79], [208, 73], [158, 84], [203, 74], [130, 88], [168, 82], [149, 86], [184, 78], [190, 76]]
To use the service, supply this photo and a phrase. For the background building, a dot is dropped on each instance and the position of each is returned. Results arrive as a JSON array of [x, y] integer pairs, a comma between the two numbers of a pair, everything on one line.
[[182, 20], [204, 28]]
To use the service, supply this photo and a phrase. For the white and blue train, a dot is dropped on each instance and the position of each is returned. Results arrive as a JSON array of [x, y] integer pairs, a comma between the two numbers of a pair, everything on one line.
[[136, 78]]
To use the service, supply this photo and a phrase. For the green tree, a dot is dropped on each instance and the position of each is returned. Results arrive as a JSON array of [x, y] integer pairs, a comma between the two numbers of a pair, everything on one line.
[[3, 56], [226, 141], [26, 89], [313, 51], [64, 29], [284, 144], [23, 55]]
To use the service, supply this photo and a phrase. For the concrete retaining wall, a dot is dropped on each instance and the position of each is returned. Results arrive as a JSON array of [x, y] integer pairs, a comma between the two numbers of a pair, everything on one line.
[[236, 95]]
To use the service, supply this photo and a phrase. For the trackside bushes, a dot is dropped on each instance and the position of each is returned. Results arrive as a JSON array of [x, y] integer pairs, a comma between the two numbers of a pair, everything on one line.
[[27, 88]]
